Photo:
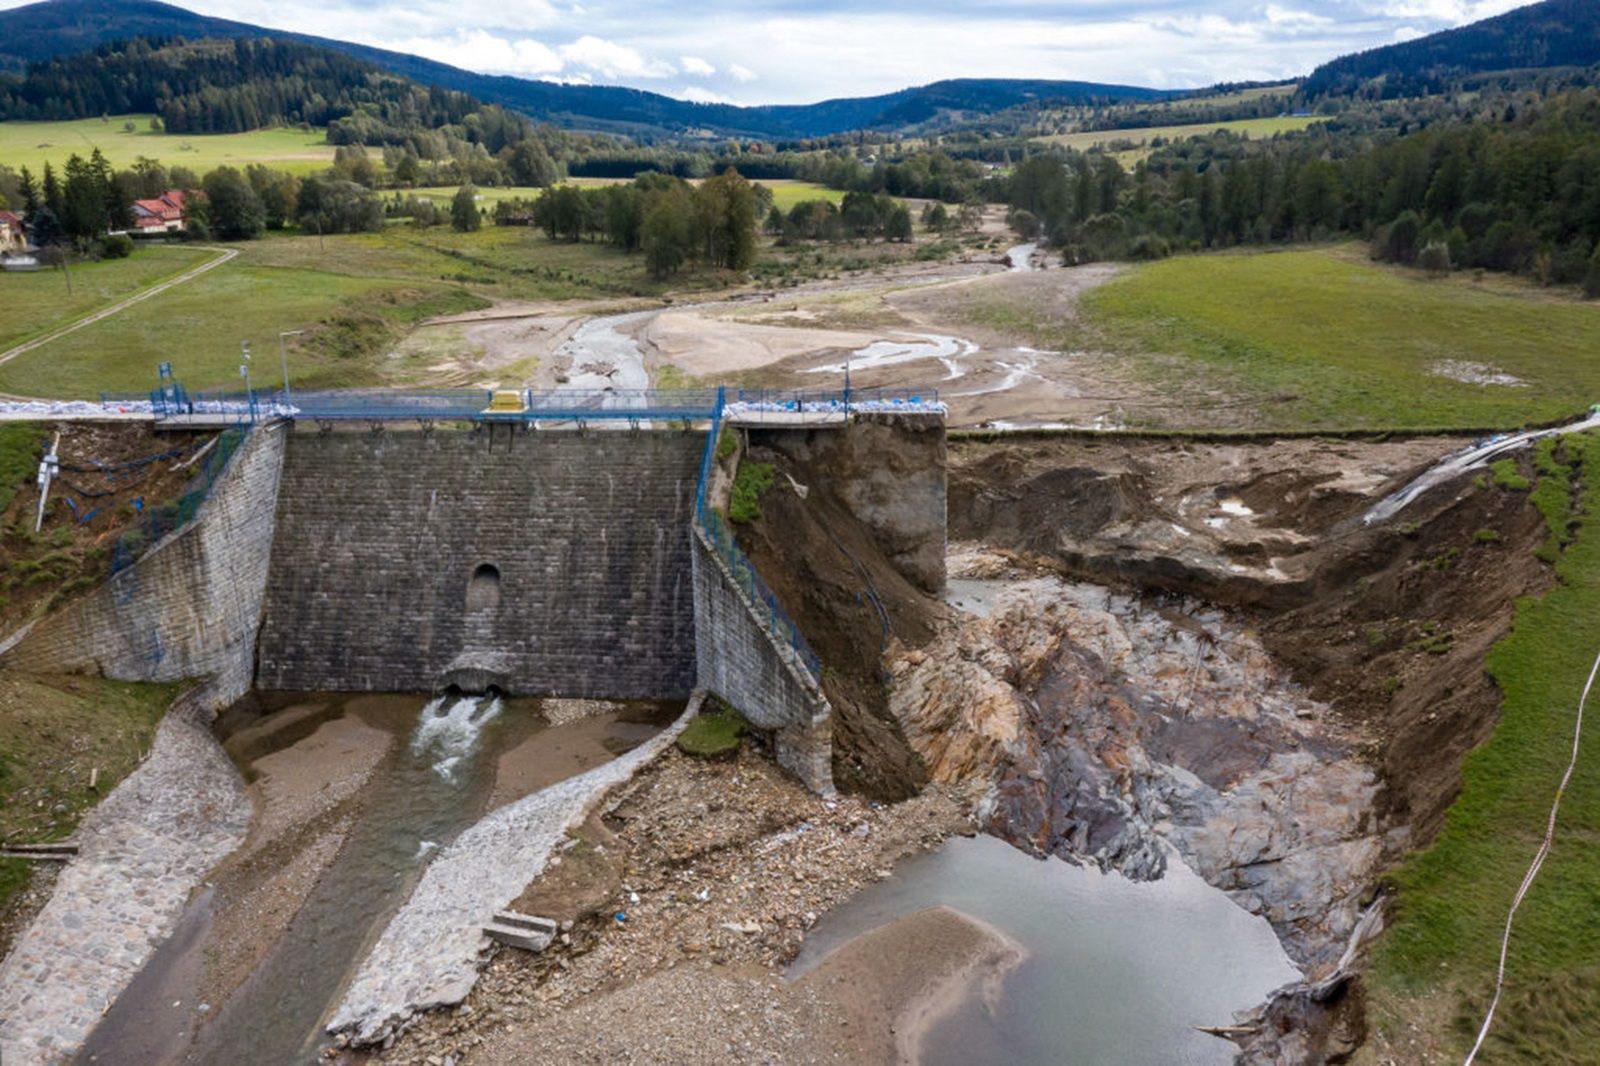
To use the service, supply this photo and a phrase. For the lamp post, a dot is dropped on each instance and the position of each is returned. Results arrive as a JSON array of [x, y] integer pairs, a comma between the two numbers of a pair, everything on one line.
[[244, 372], [847, 356], [283, 354]]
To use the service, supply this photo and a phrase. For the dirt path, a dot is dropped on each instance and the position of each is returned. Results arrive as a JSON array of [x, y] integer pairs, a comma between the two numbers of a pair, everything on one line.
[[123, 305]]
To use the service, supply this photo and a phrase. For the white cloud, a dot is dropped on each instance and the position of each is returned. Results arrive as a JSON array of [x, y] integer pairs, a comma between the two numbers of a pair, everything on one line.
[[1455, 12], [809, 51], [699, 94], [483, 51], [612, 60], [1290, 18]]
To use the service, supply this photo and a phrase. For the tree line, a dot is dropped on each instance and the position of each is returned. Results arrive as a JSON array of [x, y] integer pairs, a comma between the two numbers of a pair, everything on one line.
[[668, 220], [1516, 192]]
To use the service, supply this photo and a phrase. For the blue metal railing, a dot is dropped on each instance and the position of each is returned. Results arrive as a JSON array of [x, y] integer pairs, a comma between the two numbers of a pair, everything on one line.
[[156, 521], [778, 622], [811, 400], [555, 405], [471, 405]]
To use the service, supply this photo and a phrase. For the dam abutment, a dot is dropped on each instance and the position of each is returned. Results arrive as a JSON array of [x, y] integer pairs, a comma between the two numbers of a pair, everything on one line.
[[191, 606]]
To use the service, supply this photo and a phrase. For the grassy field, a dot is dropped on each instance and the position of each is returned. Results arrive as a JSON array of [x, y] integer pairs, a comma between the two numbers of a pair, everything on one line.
[[1249, 127], [1321, 338], [53, 733], [785, 194], [1444, 937], [354, 295], [37, 301], [29, 144]]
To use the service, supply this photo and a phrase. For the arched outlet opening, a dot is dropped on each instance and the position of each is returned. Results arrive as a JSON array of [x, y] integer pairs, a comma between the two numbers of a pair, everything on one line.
[[483, 591]]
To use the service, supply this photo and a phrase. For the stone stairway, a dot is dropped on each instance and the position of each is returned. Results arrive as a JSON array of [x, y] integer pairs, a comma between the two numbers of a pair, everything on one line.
[[525, 931]]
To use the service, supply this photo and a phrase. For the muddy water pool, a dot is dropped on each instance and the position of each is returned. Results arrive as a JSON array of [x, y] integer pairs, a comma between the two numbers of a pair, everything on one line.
[[1118, 971], [437, 765]]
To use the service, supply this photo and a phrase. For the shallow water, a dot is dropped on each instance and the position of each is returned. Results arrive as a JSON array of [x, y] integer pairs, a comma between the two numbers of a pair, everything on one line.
[[1020, 257], [450, 756], [1118, 972], [425, 791]]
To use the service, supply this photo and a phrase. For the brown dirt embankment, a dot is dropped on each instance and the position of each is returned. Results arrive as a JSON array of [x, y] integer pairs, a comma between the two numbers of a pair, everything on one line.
[[830, 573], [1388, 624], [110, 472]]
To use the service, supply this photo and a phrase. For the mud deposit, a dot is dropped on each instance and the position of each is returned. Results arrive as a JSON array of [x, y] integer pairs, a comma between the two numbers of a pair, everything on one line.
[[353, 796]]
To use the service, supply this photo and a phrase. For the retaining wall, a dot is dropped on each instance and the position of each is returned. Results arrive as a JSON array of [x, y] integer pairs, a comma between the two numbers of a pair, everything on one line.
[[758, 674], [191, 606], [379, 536]]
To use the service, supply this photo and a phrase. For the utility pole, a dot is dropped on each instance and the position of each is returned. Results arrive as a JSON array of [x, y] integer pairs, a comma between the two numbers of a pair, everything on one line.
[[283, 354], [847, 356], [49, 468]]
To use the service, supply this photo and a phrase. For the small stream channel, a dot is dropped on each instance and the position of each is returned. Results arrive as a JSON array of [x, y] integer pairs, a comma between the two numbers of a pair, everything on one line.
[[1118, 971], [605, 353], [449, 759]]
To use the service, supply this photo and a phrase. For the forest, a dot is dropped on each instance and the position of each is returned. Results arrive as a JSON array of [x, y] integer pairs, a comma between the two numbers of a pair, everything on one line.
[[231, 86]]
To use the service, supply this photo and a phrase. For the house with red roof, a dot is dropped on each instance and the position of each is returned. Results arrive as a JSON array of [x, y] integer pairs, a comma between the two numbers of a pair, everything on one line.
[[161, 214], [13, 234]]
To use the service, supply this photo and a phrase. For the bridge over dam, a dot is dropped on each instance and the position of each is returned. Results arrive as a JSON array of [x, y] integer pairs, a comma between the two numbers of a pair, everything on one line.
[[417, 542]]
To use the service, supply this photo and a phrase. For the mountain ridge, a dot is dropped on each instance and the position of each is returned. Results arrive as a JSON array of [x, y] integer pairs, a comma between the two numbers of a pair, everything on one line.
[[1553, 33], [55, 28]]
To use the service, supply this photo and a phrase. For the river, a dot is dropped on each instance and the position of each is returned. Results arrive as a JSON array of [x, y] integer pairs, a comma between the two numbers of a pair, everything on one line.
[[451, 759], [604, 352]]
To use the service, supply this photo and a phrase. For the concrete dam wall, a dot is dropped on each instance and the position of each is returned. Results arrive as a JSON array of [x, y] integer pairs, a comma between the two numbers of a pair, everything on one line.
[[546, 563]]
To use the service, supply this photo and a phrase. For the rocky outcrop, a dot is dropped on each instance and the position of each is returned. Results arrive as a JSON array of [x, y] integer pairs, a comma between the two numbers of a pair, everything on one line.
[[1113, 729]]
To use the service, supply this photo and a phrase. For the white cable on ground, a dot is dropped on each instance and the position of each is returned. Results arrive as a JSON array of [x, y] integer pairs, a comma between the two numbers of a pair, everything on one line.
[[1533, 870]]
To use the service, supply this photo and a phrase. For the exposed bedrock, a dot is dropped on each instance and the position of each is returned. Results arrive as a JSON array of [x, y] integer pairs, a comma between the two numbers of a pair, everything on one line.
[[1388, 624], [1114, 730]]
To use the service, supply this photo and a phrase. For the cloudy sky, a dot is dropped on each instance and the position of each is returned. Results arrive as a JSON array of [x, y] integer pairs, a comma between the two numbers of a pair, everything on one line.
[[795, 51]]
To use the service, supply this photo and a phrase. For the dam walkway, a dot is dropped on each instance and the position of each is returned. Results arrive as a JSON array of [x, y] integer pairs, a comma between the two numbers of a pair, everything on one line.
[[173, 407]]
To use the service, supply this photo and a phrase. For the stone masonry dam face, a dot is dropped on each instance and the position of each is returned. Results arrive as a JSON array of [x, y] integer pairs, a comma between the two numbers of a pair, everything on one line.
[[544, 563]]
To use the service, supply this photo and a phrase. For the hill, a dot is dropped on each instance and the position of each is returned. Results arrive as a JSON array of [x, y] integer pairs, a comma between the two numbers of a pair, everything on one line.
[[1555, 33], [56, 28], [218, 86]]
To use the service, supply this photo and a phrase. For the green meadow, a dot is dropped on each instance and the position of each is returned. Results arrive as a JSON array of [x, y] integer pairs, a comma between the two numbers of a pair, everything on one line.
[[353, 295], [1323, 339], [39, 301], [30, 144], [1248, 127], [785, 193], [1450, 908]]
